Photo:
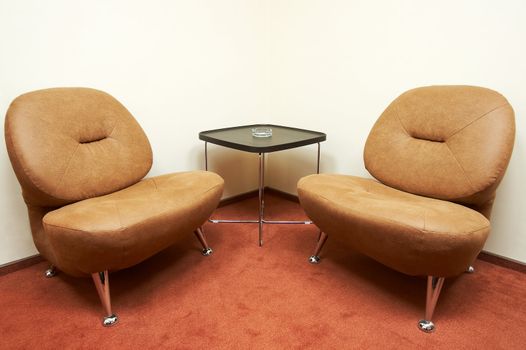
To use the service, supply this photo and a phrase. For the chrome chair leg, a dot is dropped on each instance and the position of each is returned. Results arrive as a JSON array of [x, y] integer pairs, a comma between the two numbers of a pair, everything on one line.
[[315, 258], [102, 283], [434, 286], [51, 272], [201, 237]]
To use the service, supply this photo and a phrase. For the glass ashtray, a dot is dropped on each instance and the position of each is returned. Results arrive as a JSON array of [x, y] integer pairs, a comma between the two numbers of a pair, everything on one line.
[[262, 132]]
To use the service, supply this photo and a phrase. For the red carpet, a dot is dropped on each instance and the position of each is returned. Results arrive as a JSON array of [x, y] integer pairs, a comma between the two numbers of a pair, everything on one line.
[[246, 297]]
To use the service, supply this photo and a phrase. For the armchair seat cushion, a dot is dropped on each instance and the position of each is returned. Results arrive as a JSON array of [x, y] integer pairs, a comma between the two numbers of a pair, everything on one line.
[[120, 229], [413, 234]]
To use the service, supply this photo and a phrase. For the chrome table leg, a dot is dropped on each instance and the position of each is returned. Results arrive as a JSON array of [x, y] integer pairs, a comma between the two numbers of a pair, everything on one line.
[[261, 196]]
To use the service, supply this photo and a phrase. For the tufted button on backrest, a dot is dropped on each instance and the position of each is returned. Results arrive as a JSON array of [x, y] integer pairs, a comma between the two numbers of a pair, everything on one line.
[[69, 144], [446, 142]]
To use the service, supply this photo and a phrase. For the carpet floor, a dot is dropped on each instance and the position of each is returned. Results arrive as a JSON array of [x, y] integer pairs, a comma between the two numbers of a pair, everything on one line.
[[247, 297]]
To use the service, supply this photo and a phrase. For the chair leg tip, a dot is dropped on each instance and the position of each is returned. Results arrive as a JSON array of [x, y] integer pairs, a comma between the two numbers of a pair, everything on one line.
[[207, 251], [51, 272], [470, 269], [110, 320], [426, 326], [314, 259]]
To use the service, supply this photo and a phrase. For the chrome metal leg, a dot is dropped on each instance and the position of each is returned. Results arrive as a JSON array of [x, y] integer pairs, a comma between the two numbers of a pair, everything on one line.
[[201, 237], [434, 286], [51, 272], [318, 162], [102, 283], [206, 156], [216, 221], [261, 196], [287, 222], [282, 222], [261, 189], [470, 269], [315, 258]]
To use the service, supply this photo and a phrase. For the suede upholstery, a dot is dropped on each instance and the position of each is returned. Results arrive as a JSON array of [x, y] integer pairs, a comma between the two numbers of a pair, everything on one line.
[[69, 144], [432, 146], [79, 156], [447, 142]]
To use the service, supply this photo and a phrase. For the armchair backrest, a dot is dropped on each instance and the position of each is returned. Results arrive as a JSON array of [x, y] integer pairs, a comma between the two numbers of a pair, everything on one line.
[[69, 144], [446, 142]]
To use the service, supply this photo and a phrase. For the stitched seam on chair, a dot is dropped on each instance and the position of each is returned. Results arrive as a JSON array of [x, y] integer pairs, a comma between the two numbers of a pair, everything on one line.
[[167, 211], [154, 184], [425, 213], [476, 119], [113, 129], [124, 228], [118, 215], [208, 190], [461, 167], [404, 225], [78, 230], [66, 168], [400, 121], [465, 232], [211, 188]]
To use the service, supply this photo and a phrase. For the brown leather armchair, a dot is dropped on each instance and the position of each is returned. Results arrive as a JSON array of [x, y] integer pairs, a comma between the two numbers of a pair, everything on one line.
[[79, 156], [439, 153]]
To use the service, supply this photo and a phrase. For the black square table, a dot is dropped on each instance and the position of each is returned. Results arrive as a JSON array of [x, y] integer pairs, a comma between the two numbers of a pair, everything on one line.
[[241, 138]]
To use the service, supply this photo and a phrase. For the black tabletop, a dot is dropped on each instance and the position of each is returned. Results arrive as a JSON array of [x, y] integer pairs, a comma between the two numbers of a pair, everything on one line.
[[283, 137]]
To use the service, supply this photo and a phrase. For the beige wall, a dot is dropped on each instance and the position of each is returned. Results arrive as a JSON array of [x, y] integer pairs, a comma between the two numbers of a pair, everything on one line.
[[185, 66], [180, 67], [336, 65]]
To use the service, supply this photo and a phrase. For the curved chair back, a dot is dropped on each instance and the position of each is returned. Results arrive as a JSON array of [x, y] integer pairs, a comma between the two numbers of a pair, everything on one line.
[[69, 144], [446, 142]]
